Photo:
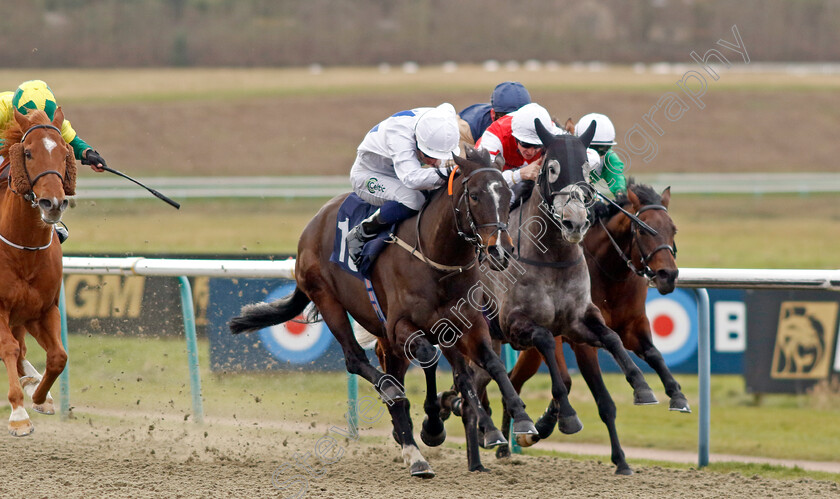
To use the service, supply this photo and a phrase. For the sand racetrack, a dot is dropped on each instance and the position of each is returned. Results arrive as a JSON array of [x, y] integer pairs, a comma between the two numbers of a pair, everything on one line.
[[110, 456]]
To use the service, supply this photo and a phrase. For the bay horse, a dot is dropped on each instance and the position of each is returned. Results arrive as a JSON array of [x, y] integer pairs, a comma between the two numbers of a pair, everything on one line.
[[622, 261], [553, 297], [42, 171], [422, 301]]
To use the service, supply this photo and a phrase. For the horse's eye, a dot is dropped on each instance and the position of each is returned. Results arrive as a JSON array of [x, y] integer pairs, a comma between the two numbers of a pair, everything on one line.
[[28, 154], [473, 197]]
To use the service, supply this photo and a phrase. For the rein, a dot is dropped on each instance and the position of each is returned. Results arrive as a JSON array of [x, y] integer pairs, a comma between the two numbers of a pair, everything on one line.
[[474, 239], [645, 271]]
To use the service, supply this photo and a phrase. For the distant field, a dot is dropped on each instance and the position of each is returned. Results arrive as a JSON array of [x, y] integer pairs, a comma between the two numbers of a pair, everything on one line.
[[286, 121]]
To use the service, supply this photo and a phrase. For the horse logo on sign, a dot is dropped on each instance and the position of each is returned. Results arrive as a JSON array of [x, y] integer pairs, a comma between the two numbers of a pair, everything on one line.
[[804, 340]]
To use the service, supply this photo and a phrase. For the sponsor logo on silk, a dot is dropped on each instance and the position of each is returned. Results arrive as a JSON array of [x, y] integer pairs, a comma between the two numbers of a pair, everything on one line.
[[373, 186]]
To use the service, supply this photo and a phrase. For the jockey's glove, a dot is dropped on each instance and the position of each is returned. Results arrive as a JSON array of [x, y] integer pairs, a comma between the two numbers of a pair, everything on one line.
[[93, 158]]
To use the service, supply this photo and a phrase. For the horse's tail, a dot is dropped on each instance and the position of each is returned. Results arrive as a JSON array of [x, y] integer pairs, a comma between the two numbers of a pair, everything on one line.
[[260, 315]]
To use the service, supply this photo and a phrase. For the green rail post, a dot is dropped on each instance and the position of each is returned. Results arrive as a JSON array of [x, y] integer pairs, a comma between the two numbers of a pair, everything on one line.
[[509, 356], [64, 378], [192, 348], [352, 401]]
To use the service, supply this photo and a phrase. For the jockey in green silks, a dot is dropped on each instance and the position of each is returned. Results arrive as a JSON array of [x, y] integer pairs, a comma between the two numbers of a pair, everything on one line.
[[604, 162]]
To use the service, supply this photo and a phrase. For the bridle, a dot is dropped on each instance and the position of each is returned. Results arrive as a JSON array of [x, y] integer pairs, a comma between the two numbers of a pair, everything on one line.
[[644, 257], [30, 194], [472, 237]]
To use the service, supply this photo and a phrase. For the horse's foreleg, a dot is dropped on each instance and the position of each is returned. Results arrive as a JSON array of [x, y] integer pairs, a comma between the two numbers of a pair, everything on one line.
[[560, 409], [19, 423], [594, 323], [525, 368], [29, 376], [396, 366], [469, 404], [47, 331], [486, 358], [645, 349], [587, 359], [422, 353]]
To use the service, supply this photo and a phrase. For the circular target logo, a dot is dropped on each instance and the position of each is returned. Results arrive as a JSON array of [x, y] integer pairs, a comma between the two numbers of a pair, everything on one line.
[[293, 341], [673, 324]]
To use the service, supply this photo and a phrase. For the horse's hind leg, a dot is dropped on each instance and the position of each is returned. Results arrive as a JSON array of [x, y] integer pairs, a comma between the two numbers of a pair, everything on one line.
[[464, 384], [489, 435], [422, 353], [355, 359], [594, 323], [47, 332], [29, 376], [645, 349], [19, 423], [587, 359]]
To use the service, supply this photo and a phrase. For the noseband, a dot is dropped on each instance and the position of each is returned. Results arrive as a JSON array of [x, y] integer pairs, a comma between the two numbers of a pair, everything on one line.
[[30, 194], [636, 224]]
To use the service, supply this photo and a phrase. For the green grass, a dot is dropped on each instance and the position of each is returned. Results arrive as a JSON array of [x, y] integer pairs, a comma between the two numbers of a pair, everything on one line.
[[714, 231]]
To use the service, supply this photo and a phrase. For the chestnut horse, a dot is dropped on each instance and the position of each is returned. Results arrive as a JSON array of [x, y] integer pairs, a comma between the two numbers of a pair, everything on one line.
[[622, 261], [422, 301], [42, 172]]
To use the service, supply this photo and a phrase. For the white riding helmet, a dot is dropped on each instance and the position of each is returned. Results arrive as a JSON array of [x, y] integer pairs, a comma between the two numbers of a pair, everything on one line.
[[437, 132], [604, 130], [522, 123]]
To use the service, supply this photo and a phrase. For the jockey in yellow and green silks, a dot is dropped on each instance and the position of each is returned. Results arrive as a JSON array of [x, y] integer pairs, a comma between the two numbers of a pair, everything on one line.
[[35, 94]]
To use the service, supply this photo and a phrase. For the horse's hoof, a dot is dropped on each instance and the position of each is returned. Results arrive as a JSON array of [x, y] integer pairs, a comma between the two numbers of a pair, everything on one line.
[[624, 470], [48, 407], [545, 425], [479, 468], [421, 469], [445, 400], [494, 438], [569, 425], [527, 439], [391, 394], [430, 439], [524, 427], [21, 428], [680, 405], [503, 452], [644, 396]]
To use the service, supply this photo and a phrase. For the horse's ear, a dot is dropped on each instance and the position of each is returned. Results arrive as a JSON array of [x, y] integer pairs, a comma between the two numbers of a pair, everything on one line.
[[21, 120], [499, 162], [464, 164], [17, 173], [545, 136], [666, 196], [586, 137], [69, 172], [633, 198], [569, 126], [58, 118]]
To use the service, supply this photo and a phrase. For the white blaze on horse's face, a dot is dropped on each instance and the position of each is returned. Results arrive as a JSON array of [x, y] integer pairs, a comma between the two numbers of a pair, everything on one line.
[[570, 204], [49, 144]]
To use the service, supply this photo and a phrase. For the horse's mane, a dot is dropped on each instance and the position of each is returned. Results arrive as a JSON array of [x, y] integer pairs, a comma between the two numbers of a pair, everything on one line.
[[646, 194], [13, 133]]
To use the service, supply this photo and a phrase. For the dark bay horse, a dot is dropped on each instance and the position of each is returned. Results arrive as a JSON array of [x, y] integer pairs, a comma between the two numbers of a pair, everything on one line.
[[424, 302], [622, 261], [42, 171], [551, 297]]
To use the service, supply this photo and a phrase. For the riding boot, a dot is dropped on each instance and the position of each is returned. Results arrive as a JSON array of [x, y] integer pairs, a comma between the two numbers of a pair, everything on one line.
[[366, 231], [62, 233]]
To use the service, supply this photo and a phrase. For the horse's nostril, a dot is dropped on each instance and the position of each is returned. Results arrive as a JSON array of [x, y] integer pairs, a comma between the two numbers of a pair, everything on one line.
[[45, 204], [64, 204], [567, 225]]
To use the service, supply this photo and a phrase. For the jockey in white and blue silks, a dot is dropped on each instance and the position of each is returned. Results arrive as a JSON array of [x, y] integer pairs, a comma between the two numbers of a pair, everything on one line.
[[389, 171]]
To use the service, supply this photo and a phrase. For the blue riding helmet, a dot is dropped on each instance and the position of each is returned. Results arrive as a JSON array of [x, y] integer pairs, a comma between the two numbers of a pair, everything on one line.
[[509, 96]]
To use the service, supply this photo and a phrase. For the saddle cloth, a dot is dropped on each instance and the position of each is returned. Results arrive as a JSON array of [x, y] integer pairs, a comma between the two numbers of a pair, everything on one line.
[[351, 213]]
